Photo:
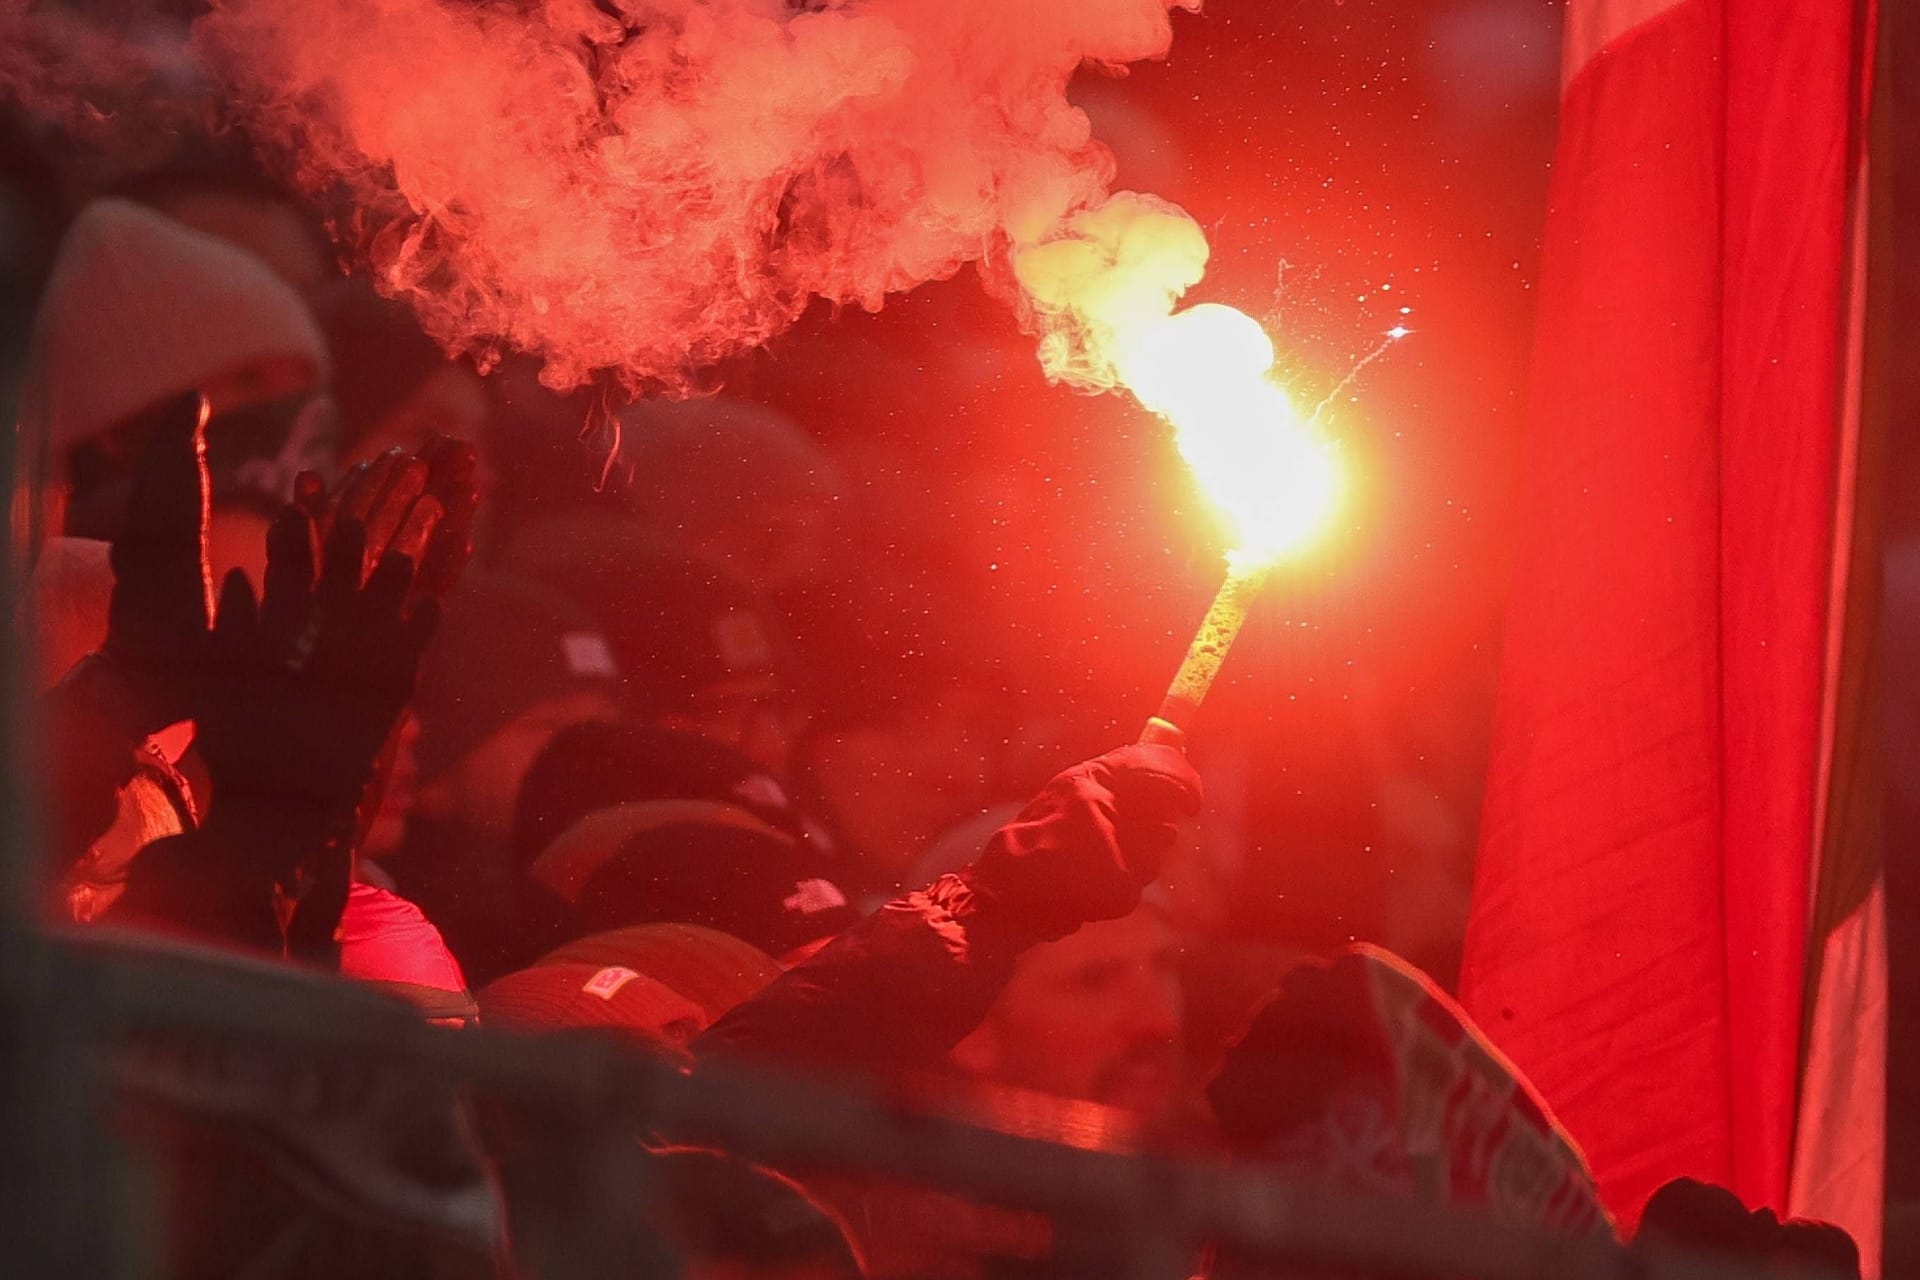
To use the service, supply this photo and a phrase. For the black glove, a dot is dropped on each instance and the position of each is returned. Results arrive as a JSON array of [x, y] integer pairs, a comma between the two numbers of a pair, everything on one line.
[[1086, 846], [293, 696], [101, 712], [298, 695], [421, 506], [301, 690], [157, 615], [901, 988]]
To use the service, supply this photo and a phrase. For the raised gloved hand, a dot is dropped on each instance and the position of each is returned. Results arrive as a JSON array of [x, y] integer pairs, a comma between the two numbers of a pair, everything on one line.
[[421, 507], [297, 696], [301, 689], [396, 497], [1086, 846], [292, 696], [97, 718], [158, 616]]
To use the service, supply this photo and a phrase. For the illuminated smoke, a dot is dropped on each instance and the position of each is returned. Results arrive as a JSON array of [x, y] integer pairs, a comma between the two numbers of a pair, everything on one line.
[[1101, 289], [1101, 278], [645, 187], [651, 192]]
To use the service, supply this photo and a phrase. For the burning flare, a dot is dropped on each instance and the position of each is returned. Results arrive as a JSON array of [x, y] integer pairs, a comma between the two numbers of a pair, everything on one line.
[[1207, 370], [1102, 294]]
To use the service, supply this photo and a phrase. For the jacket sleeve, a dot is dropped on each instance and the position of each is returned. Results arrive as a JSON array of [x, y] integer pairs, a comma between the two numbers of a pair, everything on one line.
[[896, 991], [904, 986]]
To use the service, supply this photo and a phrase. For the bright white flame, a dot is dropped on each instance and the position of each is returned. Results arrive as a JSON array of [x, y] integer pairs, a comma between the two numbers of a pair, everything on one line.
[[1207, 370]]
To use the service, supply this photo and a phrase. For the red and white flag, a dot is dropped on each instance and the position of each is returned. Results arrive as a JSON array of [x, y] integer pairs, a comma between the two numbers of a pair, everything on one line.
[[1663, 777]]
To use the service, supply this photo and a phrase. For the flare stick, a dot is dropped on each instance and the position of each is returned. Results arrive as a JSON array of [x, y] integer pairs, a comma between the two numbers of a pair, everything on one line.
[[1209, 649]]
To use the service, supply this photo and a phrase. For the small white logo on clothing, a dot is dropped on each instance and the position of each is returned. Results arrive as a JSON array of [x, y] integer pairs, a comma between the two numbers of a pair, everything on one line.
[[607, 983]]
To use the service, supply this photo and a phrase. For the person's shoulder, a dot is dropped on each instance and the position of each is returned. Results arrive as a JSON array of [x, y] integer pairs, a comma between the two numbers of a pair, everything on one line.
[[387, 941]]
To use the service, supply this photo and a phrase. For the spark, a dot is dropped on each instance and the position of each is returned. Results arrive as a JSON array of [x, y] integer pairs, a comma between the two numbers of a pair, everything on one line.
[[1392, 336]]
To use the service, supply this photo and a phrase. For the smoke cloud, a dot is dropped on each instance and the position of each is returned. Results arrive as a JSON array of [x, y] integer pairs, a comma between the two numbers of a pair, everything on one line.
[[640, 188]]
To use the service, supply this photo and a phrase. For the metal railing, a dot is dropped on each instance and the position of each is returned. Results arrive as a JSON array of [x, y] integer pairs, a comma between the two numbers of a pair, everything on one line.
[[1153, 1211]]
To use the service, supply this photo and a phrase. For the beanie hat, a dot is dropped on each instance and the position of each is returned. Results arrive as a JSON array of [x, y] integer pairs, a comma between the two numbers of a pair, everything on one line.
[[386, 942], [598, 763], [139, 308], [743, 878], [679, 628], [503, 647], [715, 970], [558, 997]]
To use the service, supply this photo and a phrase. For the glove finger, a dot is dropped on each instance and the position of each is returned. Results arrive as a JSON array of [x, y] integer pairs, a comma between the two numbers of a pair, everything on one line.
[[165, 526], [345, 492], [342, 561], [289, 583], [310, 494], [358, 504], [164, 495], [235, 623], [405, 482], [414, 533], [387, 588]]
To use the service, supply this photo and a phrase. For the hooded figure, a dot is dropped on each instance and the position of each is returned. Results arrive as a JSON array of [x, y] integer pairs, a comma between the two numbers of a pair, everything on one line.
[[139, 309], [139, 312]]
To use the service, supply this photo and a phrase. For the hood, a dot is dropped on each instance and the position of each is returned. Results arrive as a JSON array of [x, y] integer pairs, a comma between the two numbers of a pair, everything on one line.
[[139, 308]]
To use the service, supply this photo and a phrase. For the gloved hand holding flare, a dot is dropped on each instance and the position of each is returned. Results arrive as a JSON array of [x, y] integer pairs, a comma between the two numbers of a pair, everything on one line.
[[1273, 480]]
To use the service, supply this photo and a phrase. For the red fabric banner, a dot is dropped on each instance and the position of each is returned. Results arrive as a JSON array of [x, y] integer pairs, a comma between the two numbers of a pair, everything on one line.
[[1641, 905]]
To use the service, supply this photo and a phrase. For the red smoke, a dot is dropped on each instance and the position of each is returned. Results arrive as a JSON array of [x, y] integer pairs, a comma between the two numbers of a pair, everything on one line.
[[648, 186]]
